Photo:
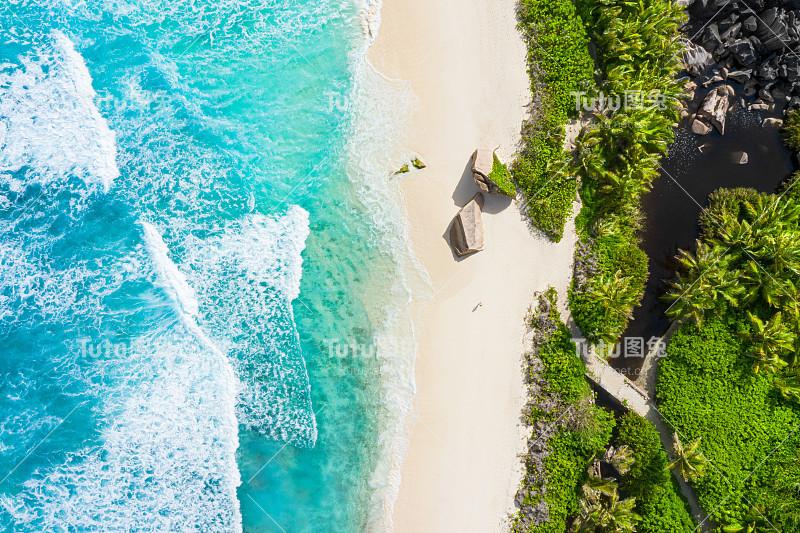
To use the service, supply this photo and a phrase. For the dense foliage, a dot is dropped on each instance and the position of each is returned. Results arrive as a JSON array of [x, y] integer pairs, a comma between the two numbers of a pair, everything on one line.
[[791, 130], [603, 306], [658, 498], [747, 264], [578, 434], [576, 430], [708, 389], [502, 177], [618, 159], [559, 63]]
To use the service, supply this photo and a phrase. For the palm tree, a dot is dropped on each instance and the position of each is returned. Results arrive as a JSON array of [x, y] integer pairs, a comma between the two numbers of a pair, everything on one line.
[[754, 521], [789, 386], [710, 281], [691, 461], [690, 299], [622, 458], [617, 296], [771, 340], [603, 512]]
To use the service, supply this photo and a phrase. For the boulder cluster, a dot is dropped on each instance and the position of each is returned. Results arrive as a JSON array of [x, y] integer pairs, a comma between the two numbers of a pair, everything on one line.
[[755, 43], [466, 231]]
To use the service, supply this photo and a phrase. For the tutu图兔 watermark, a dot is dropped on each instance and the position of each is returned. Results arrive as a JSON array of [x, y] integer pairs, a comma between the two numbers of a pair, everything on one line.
[[630, 347], [105, 349], [338, 349], [630, 101]]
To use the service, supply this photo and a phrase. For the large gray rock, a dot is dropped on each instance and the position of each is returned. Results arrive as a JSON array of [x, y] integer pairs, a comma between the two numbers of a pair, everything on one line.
[[772, 29], [466, 232], [696, 58], [482, 165], [744, 52], [482, 161], [740, 75], [711, 39], [699, 127], [715, 108], [732, 32], [739, 158], [792, 66], [767, 72]]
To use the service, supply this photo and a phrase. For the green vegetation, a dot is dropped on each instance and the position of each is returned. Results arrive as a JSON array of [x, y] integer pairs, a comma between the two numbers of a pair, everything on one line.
[[791, 130], [559, 63], [747, 264], [658, 498], [602, 510], [618, 156], [731, 374], [577, 433], [691, 463], [708, 389], [638, 47], [603, 306], [502, 177], [577, 430]]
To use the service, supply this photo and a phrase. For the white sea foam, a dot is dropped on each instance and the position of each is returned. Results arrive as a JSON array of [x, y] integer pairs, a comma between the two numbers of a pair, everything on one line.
[[49, 122], [371, 19], [247, 276], [173, 278], [165, 459], [374, 151]]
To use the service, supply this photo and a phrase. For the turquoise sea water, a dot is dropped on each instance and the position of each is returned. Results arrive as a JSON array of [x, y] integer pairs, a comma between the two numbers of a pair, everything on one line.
[[203, 272]]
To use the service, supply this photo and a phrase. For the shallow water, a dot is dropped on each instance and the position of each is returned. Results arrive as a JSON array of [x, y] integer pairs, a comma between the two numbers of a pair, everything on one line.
[[204, 272]]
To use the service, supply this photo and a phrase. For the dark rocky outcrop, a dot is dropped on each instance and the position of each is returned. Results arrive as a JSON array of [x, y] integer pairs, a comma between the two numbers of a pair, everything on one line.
[[466, 231], [715, 107], [755, 43]]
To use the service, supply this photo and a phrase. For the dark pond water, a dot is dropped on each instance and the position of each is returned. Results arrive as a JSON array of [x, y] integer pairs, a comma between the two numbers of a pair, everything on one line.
[[673, 206]]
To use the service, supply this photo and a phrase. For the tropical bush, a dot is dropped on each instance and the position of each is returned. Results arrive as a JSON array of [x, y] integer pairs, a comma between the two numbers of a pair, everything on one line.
[[638, 45], [566, 472], [577, 433], [732, 375], [658, 499], [579, 438], [559, 63], [791, 130], [502, 177], [747, 263], [603, 307], [576, 430], [708, 389], [603, 511]]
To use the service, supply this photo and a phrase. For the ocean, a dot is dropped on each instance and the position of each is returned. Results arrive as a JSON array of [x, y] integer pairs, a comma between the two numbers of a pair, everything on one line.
[[205, 274]]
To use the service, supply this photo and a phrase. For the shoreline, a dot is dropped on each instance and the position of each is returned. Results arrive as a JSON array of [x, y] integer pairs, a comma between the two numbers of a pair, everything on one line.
[[467, 67]]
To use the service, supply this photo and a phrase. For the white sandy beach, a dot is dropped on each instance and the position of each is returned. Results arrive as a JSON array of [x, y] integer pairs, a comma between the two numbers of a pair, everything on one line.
[[466, 65]]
